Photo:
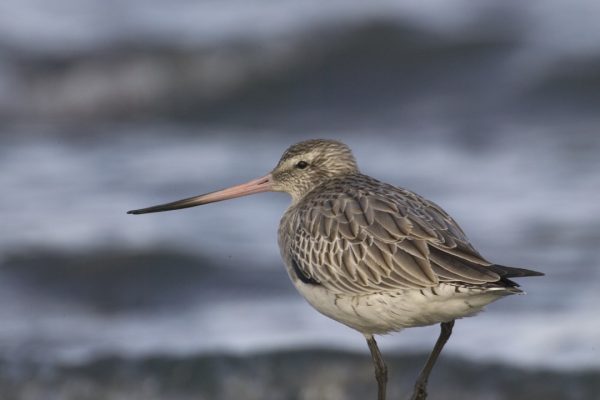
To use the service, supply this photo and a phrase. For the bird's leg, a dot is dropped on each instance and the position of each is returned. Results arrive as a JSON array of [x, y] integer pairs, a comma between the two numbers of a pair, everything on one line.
[[420, 391], [380, 367]]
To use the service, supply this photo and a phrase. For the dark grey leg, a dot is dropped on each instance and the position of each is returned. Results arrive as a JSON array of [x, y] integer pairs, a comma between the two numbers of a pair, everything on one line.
[[420, 392], [380, 367]]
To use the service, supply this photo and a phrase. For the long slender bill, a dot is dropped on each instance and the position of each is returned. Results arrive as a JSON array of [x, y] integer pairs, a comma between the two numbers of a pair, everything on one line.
[[263, 184]]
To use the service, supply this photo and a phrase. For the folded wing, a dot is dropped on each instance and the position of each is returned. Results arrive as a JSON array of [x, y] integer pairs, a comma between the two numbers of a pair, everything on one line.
[[365, 242]]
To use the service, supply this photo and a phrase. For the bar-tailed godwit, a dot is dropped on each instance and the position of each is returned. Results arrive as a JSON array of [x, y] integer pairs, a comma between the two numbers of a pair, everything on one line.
[[375, 257]]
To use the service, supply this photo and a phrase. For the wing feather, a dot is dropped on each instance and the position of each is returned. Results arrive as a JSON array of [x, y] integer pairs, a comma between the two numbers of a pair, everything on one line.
[[366, 241]]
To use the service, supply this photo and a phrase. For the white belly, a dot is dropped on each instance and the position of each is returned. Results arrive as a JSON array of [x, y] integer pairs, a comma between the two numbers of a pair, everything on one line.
[[393, 311]]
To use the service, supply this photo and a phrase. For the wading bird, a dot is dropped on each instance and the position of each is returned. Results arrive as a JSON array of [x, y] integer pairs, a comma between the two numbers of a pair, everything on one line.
[[375, 257]]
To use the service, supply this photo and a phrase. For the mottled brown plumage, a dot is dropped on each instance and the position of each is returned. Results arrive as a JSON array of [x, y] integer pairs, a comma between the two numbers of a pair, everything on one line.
[[370, 255], [356, 235]]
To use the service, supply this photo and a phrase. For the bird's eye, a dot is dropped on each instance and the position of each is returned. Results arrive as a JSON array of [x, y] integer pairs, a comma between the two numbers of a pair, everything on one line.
[[301, 164]]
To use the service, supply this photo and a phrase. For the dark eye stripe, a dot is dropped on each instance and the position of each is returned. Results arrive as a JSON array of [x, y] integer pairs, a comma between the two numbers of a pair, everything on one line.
[[301, 164]]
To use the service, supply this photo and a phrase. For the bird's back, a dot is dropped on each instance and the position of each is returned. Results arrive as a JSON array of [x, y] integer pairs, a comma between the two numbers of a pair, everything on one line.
[[356, 235]]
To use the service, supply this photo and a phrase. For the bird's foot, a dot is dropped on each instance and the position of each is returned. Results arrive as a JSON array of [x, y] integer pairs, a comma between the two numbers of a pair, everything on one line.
[[420, 391]]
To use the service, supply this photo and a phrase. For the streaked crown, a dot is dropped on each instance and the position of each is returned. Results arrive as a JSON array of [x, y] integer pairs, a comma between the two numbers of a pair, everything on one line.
[[308, 164]]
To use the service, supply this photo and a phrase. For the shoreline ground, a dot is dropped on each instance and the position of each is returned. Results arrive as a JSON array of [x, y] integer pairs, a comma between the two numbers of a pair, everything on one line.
[[291, 374]]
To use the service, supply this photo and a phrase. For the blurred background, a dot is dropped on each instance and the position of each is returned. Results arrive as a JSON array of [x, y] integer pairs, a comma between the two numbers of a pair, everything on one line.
[[491, 109]]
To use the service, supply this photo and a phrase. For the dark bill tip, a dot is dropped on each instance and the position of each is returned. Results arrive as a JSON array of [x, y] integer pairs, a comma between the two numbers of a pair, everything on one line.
[[254, 186]]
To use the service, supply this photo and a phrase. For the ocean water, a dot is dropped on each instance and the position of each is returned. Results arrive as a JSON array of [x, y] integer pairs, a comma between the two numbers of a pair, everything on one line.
[[82, 278], [490, 111]]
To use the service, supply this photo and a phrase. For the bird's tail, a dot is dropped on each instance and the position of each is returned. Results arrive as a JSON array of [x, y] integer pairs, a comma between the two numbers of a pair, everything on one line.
[[511, 272]]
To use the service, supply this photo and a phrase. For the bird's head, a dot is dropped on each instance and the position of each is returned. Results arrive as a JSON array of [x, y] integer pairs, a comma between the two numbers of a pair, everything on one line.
[[302, 167], [307, 164]]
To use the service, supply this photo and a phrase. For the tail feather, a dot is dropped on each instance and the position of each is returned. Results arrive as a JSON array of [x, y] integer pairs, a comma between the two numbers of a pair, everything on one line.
[[512, 272]]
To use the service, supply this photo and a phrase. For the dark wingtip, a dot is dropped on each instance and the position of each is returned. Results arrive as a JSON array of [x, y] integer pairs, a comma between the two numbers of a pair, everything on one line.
[[134, 212], [512, 272]]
